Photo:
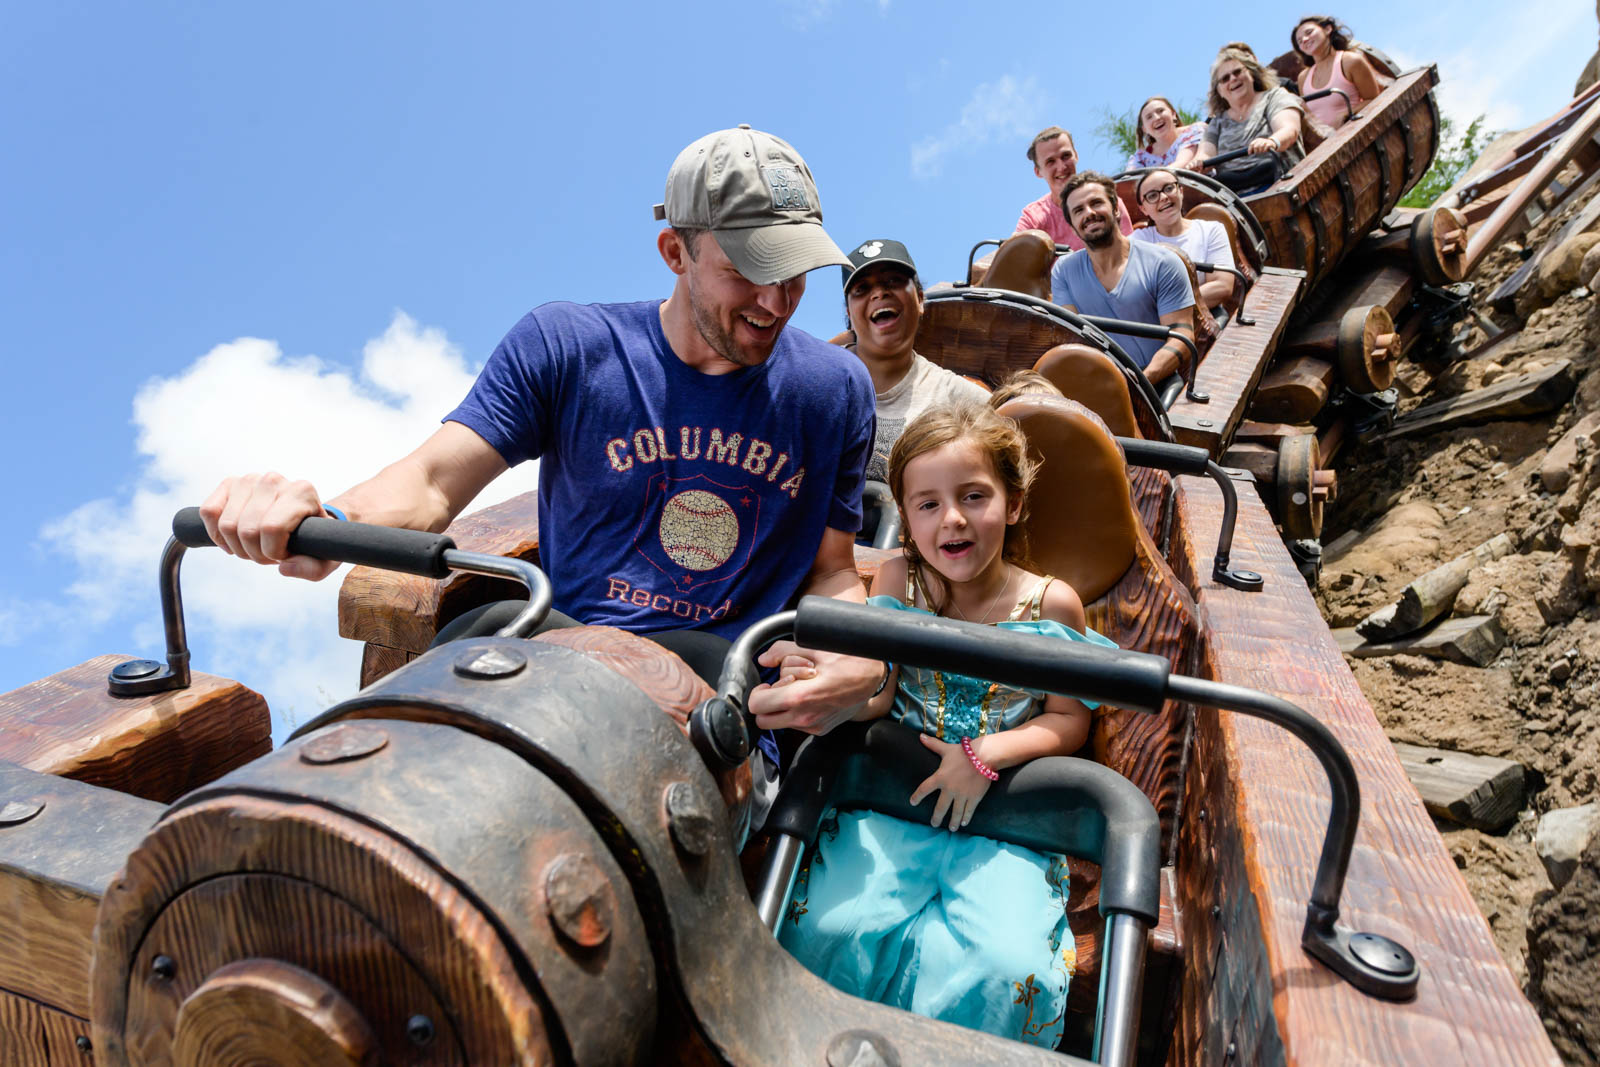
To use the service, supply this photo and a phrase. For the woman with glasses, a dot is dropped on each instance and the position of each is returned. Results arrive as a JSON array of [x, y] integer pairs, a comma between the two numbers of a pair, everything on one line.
[[1323, 45], [1163, 140], [1202, 240], [1250, 111]]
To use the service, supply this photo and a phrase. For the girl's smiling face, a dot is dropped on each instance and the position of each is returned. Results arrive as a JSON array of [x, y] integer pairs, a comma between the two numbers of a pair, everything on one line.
[[956, 510], [1157, 121], [1312, 38]]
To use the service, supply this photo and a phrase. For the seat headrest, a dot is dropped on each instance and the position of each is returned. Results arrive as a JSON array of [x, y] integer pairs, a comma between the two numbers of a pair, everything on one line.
[[1081, 524], [1022, 264], [1087, 375]]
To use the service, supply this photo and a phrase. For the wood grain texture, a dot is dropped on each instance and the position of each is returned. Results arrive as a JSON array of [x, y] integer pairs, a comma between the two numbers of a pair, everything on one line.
[[53, 870], [379, 660], [33, 1035], [239, 877], [157, 747], [1252, 853], [1403, 120], [402, 611], [1236, 362], [988, 340], [1294, 390], [1519, 396]]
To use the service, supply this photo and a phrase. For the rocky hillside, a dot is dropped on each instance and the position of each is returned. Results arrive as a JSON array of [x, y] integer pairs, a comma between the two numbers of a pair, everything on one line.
[[1519, 678]]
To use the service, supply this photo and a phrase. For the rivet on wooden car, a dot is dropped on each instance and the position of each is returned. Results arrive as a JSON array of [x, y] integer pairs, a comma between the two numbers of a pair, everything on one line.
[[861, 1048], [1216, 911], [688, 819], [20, 811], [491, 664], [130, 669], [344, 742], [1204, 423], [163, 968], [580, 899], [83, 1043], [419, 1028]]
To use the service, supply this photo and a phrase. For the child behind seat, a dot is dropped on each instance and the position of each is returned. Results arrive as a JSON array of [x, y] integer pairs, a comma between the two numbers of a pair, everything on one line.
[[957, 927]]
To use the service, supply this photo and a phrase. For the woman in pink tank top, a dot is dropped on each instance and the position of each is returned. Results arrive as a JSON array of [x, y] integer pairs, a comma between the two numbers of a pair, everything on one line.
[[1324, 47]]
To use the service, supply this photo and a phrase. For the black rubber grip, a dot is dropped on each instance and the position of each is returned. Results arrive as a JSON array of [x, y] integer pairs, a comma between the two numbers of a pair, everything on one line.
[[1135, 680], [384, 547], [1055, 804], [1164, 455]]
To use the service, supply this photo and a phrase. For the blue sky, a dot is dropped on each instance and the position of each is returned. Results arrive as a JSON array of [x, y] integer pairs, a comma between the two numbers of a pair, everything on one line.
[[284, 236]]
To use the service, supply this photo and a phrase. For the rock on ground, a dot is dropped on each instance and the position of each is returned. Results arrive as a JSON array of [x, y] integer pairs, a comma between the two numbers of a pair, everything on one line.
[[1563, 972]]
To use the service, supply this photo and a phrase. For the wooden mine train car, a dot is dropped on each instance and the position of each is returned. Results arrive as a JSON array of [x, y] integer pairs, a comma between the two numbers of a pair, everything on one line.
[[508, 852]]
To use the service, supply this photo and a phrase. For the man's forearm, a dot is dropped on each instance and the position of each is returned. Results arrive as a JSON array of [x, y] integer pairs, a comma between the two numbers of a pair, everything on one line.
[[400, 495]]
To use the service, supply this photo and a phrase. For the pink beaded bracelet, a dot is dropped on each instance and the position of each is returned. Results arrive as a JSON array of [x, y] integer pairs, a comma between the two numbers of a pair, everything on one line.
[[978, 764]]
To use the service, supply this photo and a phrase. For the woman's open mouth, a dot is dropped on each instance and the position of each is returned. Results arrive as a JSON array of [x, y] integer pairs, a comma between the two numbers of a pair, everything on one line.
[[885, 316]]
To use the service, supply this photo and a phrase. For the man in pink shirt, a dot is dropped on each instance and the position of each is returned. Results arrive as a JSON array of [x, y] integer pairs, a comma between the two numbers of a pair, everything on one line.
[[1055, 160]]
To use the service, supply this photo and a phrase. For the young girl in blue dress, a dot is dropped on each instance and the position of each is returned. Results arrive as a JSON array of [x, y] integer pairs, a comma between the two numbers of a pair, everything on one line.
[[949, 925]]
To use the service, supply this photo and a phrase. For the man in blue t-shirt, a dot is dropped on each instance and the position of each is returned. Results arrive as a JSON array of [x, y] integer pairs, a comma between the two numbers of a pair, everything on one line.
[[700, 466], [1122, 279]]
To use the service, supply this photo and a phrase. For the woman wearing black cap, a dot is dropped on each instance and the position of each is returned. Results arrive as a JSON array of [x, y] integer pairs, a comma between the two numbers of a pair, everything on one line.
[[883, 300]]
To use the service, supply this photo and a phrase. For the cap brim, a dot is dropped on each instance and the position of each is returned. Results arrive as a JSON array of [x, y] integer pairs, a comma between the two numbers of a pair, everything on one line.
[[769, 254], [891, 261]]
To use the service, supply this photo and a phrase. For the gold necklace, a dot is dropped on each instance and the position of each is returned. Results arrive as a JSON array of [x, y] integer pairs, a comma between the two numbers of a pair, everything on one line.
[[956, 608]]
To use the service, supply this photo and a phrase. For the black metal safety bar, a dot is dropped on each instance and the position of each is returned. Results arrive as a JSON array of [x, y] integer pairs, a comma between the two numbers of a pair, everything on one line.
[[1372, 963], [1244, 288], [1145, 329], [973, 255], [1349, 109], [1188, 459], [410, 551]]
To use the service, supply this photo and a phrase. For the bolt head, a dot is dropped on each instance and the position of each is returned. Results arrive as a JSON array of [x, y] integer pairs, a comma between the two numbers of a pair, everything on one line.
[[580, 900], [419, 1028], [689, 819], [128, 670], [163, 968], [18, 812], [342, 743], [490, 664]]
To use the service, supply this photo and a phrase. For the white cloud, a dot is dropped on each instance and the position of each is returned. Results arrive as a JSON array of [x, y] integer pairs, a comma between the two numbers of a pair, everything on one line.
[[1505, 68], [245, 406], [998, 109]]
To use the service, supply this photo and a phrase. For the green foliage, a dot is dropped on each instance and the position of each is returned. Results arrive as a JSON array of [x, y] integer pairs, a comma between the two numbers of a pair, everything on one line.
[[1458, 149], [1120, 131]]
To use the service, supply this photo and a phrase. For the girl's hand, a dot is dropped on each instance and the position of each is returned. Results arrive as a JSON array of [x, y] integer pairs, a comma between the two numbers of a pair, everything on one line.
[[795, 668], [958, 781]]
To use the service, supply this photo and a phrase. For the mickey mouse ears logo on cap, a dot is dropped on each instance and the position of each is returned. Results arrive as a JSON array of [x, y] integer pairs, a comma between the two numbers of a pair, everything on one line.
[[870, 249]]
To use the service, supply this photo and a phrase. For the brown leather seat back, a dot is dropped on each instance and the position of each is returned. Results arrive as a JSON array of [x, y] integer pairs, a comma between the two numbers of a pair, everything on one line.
[[1089, 376], [1082, 528], [1022, 264], [1081, 524], [1204, 323], [1222, 216]]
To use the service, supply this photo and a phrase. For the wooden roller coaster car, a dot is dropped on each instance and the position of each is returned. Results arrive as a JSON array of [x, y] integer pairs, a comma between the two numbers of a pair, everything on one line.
[[507, 851]]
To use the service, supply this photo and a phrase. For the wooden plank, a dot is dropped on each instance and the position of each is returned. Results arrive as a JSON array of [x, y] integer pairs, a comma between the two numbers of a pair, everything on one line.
[[1474, 640], [402, 611], [53, 870], [1294, 390], [380, 660], [157, 747], [33, 1035], [1429, 595], [1248, 861], [1520, 396], [1504, 297], [1233, 367], [1483, 792]]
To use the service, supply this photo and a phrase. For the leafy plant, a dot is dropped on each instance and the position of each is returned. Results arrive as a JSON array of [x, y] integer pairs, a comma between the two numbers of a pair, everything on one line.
[[1458, 150], [1119, 131]]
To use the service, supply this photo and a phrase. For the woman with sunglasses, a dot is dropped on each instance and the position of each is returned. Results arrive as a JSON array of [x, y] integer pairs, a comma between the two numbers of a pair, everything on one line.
[[1323, 45], [1250, 110], [1163, 140], [1202, 240]]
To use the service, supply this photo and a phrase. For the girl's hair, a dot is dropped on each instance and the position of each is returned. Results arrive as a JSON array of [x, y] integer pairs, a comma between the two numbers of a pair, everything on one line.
[[998, 438], [1338, 35], [1022, 383], [1263, 78], [1147, 142]]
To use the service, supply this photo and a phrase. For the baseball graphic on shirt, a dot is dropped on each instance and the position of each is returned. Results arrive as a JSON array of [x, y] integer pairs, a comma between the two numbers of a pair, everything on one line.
[[699, 530]]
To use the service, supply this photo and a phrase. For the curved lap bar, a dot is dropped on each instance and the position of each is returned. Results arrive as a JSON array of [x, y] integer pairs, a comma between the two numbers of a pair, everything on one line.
[[1058, 804]]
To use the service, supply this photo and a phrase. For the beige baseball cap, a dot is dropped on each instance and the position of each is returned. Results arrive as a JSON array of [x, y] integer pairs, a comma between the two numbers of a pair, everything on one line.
[[756, 196]]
